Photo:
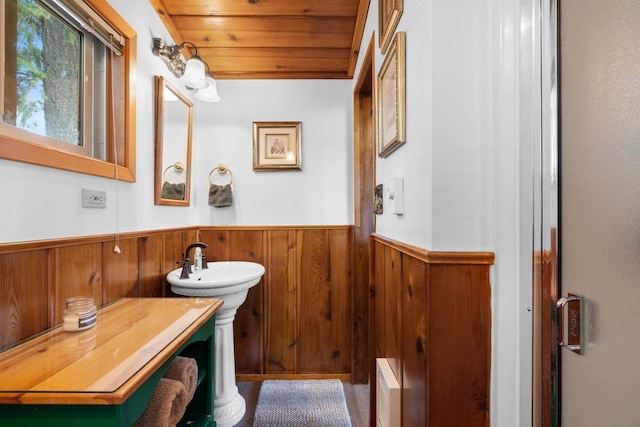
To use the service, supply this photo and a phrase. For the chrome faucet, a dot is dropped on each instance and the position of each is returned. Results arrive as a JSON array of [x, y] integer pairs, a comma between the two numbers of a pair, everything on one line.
[[186, 259]]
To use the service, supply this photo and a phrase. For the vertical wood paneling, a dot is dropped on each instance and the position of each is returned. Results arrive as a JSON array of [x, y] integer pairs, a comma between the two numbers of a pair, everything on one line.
[[460, 330], [321, 340], [442, 315], [77, 271], [308, 276], [379, 321], [414, 341], [362, 301], [120, 270], [315, 345], [313, 297], [174, 248], [303, 266], [341, 300], [217, 240], [393, 310], [189, 236], [151, 275], [281, 303], [246, 245], [24, 300]]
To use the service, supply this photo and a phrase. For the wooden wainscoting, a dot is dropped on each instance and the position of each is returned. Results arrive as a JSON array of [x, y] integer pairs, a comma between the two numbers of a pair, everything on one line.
[[298, 321], [36, 278], [432, 320]]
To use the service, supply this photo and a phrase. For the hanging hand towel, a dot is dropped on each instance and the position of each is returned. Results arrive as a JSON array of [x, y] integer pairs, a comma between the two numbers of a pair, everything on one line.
[[172, 191], [220, 195]]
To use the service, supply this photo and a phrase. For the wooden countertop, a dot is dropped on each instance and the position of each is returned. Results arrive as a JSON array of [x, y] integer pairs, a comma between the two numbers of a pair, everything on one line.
[[132, 338]]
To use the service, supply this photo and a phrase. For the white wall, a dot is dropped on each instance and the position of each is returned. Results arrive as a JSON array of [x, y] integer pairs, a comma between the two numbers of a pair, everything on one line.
[[44, 203], [413, 161], [321, 193], [469, 126], [446, 161]]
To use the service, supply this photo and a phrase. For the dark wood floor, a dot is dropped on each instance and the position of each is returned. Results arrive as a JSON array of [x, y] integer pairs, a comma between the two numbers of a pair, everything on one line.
[[357, 396]]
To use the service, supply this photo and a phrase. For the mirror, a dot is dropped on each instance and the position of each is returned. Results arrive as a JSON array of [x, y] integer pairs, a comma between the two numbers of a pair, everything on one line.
[[174, 122]]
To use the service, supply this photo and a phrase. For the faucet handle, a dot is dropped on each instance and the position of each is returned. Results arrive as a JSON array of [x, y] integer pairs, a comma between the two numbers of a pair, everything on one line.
[[184, 274], [204, 261], [186, 265]]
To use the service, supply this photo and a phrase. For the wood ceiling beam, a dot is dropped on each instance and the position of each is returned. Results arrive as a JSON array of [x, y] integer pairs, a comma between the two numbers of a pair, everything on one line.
[[266, 32], [344, 8]]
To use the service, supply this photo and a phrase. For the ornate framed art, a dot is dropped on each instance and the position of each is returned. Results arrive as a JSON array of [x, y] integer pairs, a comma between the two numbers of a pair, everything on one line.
[[389, 13], [276, 146], [391, 98]]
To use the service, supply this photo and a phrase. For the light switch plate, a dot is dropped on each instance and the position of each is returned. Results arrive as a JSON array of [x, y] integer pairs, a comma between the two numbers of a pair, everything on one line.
[[395, 196], [94, 198]]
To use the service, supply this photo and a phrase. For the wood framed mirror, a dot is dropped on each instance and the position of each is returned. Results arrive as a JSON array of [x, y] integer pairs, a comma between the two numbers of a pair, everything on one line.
[[174, 127]]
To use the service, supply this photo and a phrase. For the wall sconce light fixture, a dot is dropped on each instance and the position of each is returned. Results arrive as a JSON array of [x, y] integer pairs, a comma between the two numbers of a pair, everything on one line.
[[194, 73]]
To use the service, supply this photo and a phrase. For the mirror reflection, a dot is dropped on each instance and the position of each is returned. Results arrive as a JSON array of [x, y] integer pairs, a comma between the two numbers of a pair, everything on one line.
[[174, 120]]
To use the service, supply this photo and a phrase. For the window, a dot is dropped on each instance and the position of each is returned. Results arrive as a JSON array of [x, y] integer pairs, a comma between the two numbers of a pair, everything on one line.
[[67, 96]]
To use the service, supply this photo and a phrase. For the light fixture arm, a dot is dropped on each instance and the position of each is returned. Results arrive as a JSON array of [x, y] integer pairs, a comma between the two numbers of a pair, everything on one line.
[[170, 55], [183, 44]]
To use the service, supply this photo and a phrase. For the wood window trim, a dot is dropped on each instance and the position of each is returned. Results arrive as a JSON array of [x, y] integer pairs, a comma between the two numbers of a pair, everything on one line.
[[13, 145]]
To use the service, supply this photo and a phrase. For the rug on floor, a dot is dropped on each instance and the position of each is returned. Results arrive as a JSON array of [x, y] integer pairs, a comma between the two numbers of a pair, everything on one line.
[[302, 403]]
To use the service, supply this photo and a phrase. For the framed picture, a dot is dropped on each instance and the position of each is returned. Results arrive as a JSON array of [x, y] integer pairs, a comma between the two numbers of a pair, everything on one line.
[[276, 146], [391, 98], [389, 13]]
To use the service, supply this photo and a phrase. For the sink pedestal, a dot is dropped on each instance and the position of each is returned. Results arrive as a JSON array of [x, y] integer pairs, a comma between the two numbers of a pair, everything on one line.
[[228, 405], [229, 281]]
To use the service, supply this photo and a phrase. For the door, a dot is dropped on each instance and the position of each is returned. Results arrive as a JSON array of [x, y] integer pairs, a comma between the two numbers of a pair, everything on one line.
[[599, 194]]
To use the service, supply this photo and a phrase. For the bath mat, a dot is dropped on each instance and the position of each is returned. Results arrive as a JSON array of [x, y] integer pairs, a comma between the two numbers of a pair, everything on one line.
[[302, 403]]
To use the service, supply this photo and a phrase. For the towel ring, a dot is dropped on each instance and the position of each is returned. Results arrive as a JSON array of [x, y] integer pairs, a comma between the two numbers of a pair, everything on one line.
[[221, 169], [177, 166]]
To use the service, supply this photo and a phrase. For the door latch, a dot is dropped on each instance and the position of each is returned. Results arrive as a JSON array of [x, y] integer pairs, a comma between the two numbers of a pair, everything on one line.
[[574, 329]]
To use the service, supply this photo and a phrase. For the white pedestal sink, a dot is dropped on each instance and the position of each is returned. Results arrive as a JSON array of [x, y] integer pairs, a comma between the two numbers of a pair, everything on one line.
[[229, 281]]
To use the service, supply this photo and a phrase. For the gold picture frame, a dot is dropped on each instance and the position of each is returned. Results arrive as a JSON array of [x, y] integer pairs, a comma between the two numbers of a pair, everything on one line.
[[276, 146], [389, 13], [391, 98]]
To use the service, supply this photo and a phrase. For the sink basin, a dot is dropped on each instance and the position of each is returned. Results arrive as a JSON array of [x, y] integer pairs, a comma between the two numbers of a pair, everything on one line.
[[221, 278]]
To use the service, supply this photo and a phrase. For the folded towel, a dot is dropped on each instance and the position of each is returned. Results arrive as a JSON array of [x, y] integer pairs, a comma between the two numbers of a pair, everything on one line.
[[220, 195], [167, 405], [185, 370]]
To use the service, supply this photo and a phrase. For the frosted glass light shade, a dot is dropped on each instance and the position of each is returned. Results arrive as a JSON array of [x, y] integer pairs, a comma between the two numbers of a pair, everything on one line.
[[193, 76], [210, 93]]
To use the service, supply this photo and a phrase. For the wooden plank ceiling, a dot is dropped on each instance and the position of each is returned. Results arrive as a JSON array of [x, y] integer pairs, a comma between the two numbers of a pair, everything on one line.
[[269, 39]]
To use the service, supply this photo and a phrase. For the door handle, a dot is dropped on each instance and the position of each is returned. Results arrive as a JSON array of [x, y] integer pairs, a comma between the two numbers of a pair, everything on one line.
[[575, 325]]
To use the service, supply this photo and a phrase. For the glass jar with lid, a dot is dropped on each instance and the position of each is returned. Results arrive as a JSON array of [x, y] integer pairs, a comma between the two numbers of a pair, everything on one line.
[[80, 313]]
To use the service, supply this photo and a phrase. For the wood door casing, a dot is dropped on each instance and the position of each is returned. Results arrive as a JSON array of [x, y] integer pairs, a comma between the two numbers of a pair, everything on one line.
[[364, 183]]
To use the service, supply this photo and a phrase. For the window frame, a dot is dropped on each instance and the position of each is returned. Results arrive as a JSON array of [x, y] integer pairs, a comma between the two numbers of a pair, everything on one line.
[[23, 146]]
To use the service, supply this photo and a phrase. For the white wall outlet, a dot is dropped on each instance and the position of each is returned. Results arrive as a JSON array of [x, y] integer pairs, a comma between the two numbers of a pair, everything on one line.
[[395, 196], [94, 198]]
